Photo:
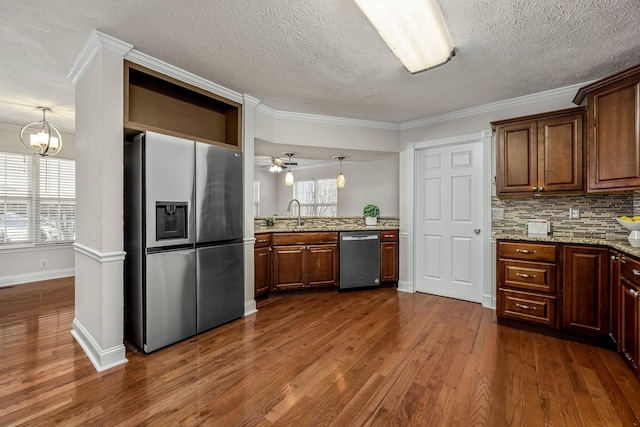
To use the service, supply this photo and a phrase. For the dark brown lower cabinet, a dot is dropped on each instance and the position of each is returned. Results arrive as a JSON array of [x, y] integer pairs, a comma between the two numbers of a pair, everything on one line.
[[389, 268], [302, 266], [614, 298], [262, 270], [262, 264], [586, 290], [629, 322]]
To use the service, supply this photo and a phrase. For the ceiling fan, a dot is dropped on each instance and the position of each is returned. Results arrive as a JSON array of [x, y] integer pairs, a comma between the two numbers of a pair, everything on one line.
[[275, 164]]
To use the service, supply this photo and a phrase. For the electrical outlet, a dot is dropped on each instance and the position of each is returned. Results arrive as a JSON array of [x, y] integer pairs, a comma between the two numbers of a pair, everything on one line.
[[497, 213], [574, 213], [44, 263]]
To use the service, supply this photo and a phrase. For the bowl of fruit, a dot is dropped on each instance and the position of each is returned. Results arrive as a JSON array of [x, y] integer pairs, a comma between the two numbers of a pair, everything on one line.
[[631, 223]]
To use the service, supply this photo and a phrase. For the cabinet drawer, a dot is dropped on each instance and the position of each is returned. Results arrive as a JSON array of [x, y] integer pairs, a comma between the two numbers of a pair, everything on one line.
[[389, 236], [263, 240], [304, 238], [527, 251], [530, 276], [527, 306], [630, 268]]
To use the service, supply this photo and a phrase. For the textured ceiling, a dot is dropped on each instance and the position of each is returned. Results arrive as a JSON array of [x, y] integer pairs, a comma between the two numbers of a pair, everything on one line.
[[319, 56]]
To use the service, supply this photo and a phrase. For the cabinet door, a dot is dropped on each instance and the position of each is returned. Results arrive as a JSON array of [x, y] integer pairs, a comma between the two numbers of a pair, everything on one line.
[[614, 298], [388, 262], [288, 267], [629, 319], [586, 291], [517, 163], [322, 265], [614, 136], [262, 270], [560, 157]]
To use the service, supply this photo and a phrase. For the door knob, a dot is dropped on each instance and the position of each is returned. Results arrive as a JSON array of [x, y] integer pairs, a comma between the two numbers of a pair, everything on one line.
[[476, 230]]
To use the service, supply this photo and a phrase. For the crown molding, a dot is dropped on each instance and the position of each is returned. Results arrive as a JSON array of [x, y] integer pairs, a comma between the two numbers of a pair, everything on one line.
[[567, 91], [96, 41], [329, 120], [250, 101], [182, 75]]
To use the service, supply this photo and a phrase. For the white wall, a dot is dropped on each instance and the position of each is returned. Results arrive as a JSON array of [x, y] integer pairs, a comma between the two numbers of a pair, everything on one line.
[[22, 265], [366, 182], [300, 129], [268, 192]]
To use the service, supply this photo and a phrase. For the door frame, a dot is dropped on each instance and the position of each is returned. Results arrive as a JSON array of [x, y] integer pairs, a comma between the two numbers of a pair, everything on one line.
[[408, 213]]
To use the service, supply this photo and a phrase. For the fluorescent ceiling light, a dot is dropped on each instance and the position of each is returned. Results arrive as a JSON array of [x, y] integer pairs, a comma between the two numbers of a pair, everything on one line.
[[414, 30]]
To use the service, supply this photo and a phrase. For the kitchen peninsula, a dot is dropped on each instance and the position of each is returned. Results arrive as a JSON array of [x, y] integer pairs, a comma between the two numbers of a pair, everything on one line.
[[292, 257]]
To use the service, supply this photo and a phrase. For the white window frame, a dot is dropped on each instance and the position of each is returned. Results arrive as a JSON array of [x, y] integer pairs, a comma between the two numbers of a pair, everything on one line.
[[314, 205], [50, 184]]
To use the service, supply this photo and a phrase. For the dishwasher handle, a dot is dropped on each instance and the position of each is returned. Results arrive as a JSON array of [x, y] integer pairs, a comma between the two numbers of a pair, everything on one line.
[[361, 237]]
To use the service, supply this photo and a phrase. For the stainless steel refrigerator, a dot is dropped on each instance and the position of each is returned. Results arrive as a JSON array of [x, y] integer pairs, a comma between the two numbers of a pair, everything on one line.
[[184, 268]]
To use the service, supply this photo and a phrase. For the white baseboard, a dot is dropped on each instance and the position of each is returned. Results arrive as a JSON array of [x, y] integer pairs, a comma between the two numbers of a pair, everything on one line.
[[101, 359], [488, 301], [404, 286], [250, 307], [35, 277]]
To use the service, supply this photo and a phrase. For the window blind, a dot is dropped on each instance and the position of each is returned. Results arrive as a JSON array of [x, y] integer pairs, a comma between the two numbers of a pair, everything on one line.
[[37, 199], [55, 200], [16, 198]]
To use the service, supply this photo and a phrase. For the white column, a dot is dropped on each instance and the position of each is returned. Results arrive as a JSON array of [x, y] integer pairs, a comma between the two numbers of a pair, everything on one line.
[[406, 234], [248, 137], [99, 257]]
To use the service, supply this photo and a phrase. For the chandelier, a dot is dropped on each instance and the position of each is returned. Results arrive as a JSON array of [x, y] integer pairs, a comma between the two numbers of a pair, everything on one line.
[[42, 138]]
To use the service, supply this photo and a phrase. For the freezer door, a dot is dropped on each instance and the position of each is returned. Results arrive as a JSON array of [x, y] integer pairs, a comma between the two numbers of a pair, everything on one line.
[[218, 193], [220, 285], [170, 298], [169, 177]]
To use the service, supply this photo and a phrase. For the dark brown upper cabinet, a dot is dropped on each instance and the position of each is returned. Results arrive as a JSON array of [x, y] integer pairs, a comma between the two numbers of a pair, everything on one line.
[[541, 153], [613, 131]]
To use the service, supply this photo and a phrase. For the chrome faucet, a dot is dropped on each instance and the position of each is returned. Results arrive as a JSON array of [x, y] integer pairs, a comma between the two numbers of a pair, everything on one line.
[[289, 209]]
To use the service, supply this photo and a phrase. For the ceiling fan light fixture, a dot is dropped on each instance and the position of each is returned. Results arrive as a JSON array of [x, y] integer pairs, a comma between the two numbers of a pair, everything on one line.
[[275, 165], [44, 138], [413, 29]]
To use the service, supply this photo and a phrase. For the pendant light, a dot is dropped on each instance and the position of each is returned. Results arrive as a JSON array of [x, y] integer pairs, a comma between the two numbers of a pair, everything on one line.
[[340, 178], [44, 137], [288, 178]]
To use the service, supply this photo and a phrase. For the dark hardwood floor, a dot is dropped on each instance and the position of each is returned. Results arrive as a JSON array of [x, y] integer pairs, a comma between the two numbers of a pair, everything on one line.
[[375, 357]]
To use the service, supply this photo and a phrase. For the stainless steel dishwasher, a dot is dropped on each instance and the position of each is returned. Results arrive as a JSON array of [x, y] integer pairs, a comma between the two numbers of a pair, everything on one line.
[[359, 259]]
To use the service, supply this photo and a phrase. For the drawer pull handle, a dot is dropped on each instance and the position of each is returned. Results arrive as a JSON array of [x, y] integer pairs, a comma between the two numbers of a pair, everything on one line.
[[634, 293], [525, 307], [636, 272], [526, 276], [263, 240], [525, 251]]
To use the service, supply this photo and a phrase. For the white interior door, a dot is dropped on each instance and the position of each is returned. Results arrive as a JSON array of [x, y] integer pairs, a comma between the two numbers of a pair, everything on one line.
[[449, 217]]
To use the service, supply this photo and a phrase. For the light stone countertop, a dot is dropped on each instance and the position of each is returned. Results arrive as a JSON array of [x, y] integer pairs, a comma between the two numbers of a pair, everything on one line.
[[319, 224], [619, 243], [312, 228]]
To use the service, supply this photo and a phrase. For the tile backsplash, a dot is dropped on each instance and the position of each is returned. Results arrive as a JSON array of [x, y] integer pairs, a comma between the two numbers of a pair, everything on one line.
[[597, 213]]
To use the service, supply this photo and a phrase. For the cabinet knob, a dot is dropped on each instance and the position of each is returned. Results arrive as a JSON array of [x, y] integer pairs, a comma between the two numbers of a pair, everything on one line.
[[614, 258], [541, 188], [634, 293]]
